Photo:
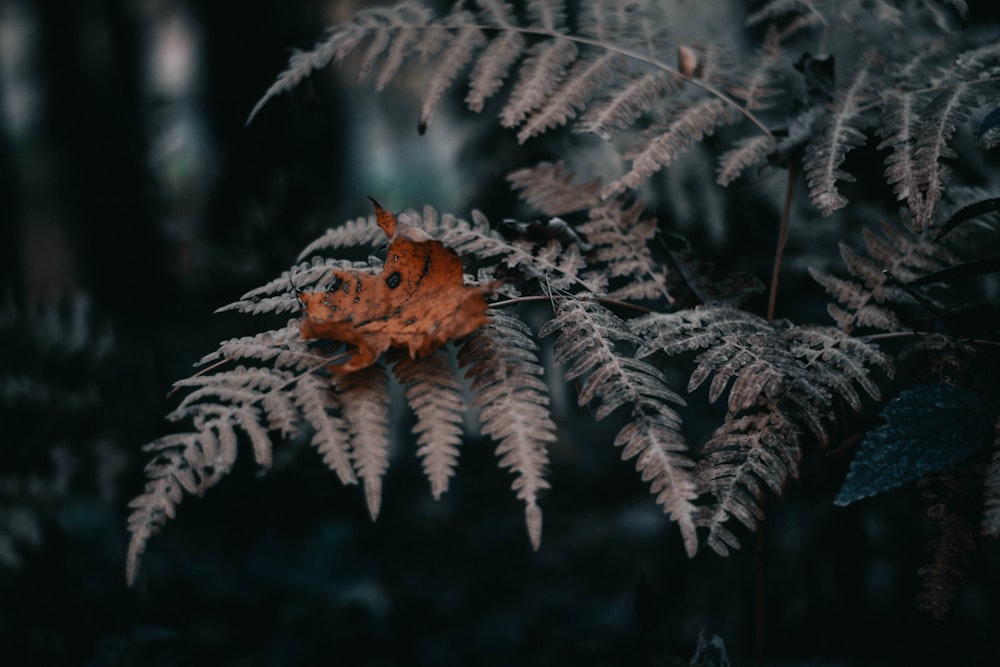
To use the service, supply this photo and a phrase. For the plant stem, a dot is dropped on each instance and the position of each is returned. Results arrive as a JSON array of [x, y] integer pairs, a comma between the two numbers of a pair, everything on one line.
[[786, 214]]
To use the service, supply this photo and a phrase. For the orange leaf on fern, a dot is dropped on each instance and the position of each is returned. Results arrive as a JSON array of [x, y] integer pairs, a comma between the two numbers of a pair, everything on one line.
[[418, 301]]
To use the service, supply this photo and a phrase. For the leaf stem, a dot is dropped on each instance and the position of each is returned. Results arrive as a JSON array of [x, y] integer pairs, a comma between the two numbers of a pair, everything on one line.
[[786, 213]]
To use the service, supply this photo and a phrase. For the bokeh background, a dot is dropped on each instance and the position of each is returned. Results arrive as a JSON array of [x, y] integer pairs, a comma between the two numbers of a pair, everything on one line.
[[134, 201]]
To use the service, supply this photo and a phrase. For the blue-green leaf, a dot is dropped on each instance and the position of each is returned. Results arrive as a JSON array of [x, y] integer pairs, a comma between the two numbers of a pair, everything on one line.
[[927, 428]]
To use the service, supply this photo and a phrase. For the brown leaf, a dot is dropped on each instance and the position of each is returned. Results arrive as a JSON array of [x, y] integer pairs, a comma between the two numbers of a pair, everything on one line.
[[418, 301]]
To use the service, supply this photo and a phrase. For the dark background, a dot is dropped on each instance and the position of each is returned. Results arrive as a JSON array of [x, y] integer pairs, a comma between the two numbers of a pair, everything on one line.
[[134, 202]]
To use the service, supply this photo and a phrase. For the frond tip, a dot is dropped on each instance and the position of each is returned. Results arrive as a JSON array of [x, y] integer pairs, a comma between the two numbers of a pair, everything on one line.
[[508, 388]]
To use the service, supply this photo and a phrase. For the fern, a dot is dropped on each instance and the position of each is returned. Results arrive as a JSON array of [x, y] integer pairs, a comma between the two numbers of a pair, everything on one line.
[[781, 380], [611, 69], [586, 347], [513, 400]]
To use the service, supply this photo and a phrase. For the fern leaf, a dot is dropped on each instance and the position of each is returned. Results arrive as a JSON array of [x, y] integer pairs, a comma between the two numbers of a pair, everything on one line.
[[464, 43], [991, 489], [620, 236], [660, 146], [586, 76], [543, 69], [364, 397], [841, 131], [435, 395], [746, 153], [743, 458], [553, 192], [586, 347], [493, 67], [945, 112], [321, 407], [508, 388], [619, 109], [899, 127], [756, 85], [351, 233], [555, 267], [952, 506], [186, 462]]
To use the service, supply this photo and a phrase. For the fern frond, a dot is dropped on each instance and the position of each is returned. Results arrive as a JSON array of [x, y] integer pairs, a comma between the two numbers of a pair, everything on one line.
[[744, 457], [552, 192], [661, 145], [542, 71], [361, 231], [464, 42], [945, 112], [620, 108], [747, 152], [321, 407], [869, 300], [587, 76], [951, 500], [363, 395], [991, 489], [285, 348], [756, 85], [553, 266], [185, 462], [586, 347], [493, 68], [435, 395], [620, 235], [841, 131], [507, 385]]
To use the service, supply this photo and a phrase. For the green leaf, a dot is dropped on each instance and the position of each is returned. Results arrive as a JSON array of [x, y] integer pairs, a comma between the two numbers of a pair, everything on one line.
[[927, 428]]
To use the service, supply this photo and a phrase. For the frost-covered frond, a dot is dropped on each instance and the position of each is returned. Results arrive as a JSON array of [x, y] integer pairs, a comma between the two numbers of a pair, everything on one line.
[[435, 395], [553, 192], [587, 346], [869, 299], [364, 397], [840, 132], [507, 385], [660, 145]]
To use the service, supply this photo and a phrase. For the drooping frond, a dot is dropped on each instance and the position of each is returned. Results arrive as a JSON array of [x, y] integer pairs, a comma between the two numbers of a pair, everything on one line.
[[435, 395], [507, 385], [587, 347], [744, 458], [840, 132]]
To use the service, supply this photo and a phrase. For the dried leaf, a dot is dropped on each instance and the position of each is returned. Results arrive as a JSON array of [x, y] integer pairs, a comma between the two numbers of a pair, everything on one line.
[[418, 301]]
